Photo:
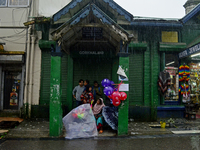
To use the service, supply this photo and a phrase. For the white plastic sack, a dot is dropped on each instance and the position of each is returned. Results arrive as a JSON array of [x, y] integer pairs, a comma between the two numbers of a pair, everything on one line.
[[80, 123]]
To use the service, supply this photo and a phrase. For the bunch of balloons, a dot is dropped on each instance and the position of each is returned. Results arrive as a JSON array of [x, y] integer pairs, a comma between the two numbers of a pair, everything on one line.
[[113, 93]]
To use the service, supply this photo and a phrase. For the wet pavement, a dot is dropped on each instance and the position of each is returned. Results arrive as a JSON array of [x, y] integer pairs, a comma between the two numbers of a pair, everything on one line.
[[34, 134], [39, 128], [145, 128], [159, 142]]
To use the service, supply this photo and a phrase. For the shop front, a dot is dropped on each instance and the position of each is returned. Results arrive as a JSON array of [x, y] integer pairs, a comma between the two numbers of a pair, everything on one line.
[[12, 77], [89, 40], [189, 88]]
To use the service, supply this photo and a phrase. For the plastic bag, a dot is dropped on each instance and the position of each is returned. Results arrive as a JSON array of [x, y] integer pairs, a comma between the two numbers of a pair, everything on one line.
[[80, 123]]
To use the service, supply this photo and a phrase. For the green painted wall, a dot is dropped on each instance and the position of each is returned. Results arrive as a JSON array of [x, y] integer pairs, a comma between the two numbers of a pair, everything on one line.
[[191, 32], [147, 78], [45, 78], [70, 77], [136, 76]]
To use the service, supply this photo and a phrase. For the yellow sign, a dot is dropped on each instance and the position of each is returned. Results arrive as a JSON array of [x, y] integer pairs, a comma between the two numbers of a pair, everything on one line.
[[170, 36]]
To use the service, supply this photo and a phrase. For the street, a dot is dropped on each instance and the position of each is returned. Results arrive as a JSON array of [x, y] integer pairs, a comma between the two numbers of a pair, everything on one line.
[[156, 142]]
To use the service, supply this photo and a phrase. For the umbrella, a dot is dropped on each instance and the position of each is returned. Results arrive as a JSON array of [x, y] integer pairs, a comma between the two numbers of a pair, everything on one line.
[[110, 115]]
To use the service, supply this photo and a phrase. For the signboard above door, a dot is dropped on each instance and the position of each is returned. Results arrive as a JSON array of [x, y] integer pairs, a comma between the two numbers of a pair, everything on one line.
[[92, 33]]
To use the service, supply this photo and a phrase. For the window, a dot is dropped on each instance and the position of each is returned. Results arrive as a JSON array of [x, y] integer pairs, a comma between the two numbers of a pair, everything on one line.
[[14, 3], [3, 3], [171, 66], [18, 3]]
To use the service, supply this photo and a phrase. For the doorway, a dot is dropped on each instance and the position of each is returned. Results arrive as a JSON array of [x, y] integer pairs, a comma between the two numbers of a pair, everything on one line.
[[11, 90]]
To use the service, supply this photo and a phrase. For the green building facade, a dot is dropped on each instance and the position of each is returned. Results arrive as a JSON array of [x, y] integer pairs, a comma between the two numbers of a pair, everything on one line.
[[93, 37]]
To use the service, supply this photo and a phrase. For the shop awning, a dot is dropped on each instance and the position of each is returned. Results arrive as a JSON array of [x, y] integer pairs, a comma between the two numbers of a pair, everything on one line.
[[190, 51]]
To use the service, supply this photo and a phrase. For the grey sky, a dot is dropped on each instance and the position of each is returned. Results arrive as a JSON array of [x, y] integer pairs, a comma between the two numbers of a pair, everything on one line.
[[154, 8]]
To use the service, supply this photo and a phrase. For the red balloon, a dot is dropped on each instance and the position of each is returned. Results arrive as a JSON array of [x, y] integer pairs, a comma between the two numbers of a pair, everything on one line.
[[116, 102], [123, 96], [110, 96], [116, 95]]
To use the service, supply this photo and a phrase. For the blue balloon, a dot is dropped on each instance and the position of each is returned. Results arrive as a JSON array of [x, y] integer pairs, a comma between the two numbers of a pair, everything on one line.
[[112, 84], [108, 90], [105, 82]]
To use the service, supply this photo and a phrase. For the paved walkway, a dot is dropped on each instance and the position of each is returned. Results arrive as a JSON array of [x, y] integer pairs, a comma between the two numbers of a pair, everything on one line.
[[39, 128]]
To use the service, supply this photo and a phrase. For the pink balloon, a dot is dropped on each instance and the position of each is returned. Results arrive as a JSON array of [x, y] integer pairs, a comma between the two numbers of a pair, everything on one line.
[[116, 102], [116, 95], [123, 96]]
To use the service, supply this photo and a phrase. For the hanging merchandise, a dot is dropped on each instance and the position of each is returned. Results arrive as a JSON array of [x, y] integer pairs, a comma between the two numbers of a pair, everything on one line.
[[184, 73], [184, 89], [184, 77], [164, 81]]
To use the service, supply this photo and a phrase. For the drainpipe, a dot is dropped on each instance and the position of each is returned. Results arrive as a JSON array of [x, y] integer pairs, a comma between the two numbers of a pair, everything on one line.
[[31, 75], [27, 69]]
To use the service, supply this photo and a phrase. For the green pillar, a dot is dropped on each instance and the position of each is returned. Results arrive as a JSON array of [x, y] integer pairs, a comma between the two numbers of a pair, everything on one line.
[[155, 68], [70, 83], [147, 78], [162, 67], [123, 108], [55, 124]]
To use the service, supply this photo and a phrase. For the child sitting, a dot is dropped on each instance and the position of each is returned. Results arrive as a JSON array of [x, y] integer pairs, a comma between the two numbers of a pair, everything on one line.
[[97, 111]]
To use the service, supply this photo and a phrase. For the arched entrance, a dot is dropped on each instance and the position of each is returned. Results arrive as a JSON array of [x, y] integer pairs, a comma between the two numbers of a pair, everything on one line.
[[94, 44]]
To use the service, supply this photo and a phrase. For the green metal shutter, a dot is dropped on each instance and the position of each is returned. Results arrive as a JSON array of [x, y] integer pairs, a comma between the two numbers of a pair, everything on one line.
[[136, 77], [64, 79], [92, 69], [45, 78]]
